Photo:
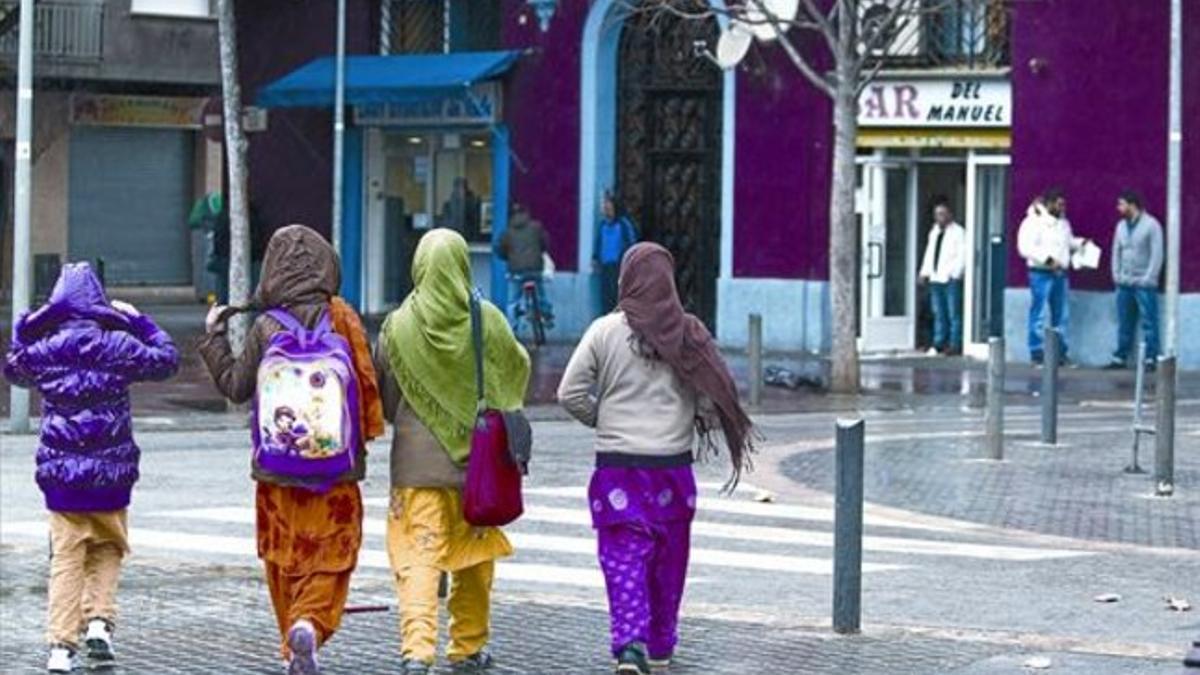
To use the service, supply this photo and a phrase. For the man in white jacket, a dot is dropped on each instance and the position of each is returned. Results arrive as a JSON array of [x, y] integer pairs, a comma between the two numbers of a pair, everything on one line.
[[1046, 242], [942, 268]]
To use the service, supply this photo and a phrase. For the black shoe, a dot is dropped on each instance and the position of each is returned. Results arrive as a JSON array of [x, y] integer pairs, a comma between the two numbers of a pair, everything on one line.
[[1151, 365], [632, 661], [476, 663], [1036, 360], [414, 667]]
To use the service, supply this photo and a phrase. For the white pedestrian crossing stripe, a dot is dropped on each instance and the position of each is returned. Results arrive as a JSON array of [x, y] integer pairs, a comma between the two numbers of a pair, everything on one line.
[[555, 545]]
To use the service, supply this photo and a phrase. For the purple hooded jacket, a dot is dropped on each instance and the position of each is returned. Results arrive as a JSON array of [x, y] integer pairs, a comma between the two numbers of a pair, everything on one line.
[[82, 354]]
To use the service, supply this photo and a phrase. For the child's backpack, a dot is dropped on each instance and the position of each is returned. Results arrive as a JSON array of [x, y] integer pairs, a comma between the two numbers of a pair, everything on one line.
[[306, 403]]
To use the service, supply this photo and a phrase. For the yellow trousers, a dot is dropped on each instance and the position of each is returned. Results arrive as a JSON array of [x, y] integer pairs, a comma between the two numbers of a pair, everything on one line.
[[427, 537], [85, 564]]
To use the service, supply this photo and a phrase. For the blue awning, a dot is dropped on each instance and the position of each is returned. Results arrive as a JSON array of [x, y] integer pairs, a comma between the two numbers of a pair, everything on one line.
[[386, 79]]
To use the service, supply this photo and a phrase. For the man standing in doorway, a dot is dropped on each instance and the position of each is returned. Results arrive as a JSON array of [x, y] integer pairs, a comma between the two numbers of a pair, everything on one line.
[[1137, 260], [942, 268], [615, 235], [1045, 241]]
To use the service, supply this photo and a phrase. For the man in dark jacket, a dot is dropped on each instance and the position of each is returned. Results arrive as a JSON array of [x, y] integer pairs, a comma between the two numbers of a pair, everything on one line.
[[524, 246]]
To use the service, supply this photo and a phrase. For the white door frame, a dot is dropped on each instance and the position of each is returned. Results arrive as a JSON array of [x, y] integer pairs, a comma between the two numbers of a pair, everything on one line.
[[978, 350], [883, 333]]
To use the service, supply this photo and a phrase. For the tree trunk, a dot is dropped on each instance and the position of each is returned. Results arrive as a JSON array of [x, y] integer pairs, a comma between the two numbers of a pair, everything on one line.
[[843, 242], [235, 148]]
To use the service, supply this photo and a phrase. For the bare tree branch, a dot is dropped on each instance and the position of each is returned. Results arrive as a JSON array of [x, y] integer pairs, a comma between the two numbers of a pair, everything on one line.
[[810, 73], [823, 22], [884, 29], [865, 80]]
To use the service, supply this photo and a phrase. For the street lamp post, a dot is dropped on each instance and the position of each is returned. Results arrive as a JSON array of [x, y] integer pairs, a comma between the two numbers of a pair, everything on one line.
[[339, 127], [22, 184], [1164, 454]]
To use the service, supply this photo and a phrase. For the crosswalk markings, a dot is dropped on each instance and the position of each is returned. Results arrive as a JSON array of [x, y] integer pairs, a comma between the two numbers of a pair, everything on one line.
[[539, 554], [172, 540], [770, 510], [585, 545], [706, 529]]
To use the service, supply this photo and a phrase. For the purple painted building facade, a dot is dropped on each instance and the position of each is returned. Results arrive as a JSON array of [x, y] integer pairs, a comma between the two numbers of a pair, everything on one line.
[[1088, 113]]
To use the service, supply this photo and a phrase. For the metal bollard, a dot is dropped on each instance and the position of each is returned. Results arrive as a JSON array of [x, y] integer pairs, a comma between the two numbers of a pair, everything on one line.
[[1164, 436], [755, 356], [994, 418], [1050, 388], [1139, 395], [848, 527]]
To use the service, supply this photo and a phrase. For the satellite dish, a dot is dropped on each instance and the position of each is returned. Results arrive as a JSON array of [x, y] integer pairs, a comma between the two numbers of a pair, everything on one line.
[[756, 22], [784, 10], [732, 46]]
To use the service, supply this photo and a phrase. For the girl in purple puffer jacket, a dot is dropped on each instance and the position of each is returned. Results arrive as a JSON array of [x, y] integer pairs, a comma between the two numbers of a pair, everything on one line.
[[82, 352]]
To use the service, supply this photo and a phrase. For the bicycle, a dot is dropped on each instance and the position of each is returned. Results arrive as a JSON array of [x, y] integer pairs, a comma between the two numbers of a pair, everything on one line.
[[529, 308]]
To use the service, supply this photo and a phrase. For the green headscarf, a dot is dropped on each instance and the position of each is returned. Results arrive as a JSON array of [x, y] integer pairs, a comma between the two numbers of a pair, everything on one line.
[[428, 346]]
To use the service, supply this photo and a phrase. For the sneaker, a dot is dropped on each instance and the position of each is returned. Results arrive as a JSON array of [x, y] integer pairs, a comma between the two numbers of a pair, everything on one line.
[[1151, 365], [1037, 360], [1115, 364], [61, 660], [302, 640], [932, 351], [661, 663], [1192, 660], [98, 640], [476, 663], [632, 661], [414, 667]]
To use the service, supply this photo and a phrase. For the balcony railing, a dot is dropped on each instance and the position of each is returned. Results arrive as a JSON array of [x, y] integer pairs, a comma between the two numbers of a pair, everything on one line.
[[69, 31], [942, 34]]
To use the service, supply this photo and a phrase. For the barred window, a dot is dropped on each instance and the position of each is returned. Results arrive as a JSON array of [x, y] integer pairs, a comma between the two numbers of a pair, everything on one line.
[[432, 26]]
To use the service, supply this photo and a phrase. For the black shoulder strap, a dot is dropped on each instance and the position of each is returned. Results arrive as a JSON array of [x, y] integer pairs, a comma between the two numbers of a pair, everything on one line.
[[477, 345]]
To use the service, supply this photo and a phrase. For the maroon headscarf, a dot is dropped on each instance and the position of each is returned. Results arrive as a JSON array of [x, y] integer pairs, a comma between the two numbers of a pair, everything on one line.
[[651, 305]]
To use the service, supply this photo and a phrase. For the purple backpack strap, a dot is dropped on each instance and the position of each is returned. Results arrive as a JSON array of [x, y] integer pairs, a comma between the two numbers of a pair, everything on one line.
[[286, 318], [324, 324]]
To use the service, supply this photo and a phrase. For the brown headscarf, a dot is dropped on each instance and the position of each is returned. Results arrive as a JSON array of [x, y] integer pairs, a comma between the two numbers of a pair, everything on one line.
[[299, 268], [651, 305]]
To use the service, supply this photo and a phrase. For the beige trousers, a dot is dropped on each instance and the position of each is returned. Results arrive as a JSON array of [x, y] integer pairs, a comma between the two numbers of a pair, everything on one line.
[[85, 563]]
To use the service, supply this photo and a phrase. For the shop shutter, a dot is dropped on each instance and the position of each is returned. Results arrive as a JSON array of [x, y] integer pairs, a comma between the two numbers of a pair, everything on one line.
[[130, 190]]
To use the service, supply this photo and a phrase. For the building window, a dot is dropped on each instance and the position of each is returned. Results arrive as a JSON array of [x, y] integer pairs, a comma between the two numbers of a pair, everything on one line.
[[432, 26], [191, 9], [940, 33], [441, 180]]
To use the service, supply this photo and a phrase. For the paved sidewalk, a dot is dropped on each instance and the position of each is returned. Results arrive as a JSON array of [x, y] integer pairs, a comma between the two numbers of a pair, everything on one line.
[[888, 382], [185, 618], [1076, 489]]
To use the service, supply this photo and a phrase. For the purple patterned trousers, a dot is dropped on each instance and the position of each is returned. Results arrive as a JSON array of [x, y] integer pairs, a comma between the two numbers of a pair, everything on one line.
[[643, 521], [645, 566]]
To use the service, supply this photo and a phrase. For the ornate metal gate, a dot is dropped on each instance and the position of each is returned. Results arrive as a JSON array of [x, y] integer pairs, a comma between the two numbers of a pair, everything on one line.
[[669, 146]]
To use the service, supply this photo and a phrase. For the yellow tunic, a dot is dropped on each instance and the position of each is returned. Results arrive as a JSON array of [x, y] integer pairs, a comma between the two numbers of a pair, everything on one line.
[[426, 528]]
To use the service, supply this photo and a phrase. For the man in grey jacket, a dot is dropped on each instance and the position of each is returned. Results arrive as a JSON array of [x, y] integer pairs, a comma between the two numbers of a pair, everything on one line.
[[1137, 260]]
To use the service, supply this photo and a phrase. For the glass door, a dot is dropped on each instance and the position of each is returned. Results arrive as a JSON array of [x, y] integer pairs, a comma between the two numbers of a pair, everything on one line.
[[419, 180], [987, 213], [887, 281]]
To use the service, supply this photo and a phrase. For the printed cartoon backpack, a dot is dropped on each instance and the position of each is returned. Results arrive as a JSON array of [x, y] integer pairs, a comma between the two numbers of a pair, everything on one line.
[[306, 403]]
